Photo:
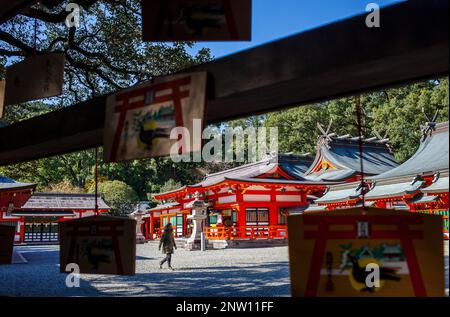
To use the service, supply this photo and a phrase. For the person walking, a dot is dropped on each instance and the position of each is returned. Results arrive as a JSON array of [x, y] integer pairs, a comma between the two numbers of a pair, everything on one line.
[[167, 243]]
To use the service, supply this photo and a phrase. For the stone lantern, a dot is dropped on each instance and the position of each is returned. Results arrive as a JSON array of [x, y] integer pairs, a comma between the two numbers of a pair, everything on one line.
[[198, 217], [138, 215]]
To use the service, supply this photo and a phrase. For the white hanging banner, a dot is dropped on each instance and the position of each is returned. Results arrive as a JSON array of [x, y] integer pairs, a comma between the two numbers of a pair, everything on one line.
[[36, 77], [139, 120]]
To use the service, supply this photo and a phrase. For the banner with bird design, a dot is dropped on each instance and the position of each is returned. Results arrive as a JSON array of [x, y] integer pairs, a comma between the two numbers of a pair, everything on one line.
[[366, 252], [196, 20], [148, 120]]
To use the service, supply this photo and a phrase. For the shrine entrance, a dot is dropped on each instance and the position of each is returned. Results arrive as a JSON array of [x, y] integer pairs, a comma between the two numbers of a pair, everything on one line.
[[41, 230]]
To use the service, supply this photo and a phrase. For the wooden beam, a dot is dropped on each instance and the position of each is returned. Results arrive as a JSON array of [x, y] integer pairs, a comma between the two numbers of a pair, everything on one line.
[[340, 59], [11, 8]]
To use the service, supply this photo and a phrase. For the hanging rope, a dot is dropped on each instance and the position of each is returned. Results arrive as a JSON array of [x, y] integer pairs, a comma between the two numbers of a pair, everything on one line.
[[361, 146], [96, 181]]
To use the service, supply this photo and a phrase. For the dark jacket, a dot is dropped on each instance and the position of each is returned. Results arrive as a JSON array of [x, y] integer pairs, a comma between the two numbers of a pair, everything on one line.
[[167, 242]]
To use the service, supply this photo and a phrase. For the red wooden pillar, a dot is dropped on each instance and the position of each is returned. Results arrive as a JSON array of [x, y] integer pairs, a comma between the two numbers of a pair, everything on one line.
[[151, 229], [22, 229], [241, 221], [241, 217], [273, 210], [184, 224], [381, 204], [304, 195]]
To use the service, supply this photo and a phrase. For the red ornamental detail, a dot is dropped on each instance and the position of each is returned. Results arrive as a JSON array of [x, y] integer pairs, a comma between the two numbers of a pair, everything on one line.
[[176, 95], [403, 233]]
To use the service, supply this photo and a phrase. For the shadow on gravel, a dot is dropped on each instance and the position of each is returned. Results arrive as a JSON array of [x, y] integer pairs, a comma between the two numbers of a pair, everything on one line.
[[139, 257], [40, 276], [268, 279]]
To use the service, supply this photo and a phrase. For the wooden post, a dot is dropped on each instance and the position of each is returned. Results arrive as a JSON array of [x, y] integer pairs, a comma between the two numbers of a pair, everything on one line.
[[273, 210]]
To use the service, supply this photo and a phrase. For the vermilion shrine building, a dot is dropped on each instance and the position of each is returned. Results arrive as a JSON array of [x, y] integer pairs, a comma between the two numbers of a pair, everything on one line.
[[419, 185], [252, 201], [13, 195], [36, 216]]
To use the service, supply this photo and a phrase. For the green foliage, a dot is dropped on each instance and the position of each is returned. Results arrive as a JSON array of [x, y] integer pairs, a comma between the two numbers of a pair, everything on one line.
[[105, 53], [16, 113], [401, 113], [63, 187], [171, 184], [398, 111], [119, 196]]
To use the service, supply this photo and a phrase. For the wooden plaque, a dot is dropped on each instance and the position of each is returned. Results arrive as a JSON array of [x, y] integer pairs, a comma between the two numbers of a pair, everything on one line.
[[36, 77], [99, 245], [7, 234], [333, 253], [196, 20], [139, 120]]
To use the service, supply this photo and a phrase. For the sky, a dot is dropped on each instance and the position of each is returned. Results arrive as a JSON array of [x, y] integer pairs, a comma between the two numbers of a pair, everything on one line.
[[275, 19]]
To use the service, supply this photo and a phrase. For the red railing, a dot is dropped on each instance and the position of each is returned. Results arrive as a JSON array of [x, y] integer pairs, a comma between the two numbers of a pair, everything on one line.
[[248, 232]]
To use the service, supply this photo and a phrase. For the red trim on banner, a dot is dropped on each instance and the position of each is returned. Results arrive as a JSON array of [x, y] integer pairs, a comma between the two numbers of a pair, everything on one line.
[[323, 234], [176, 95]]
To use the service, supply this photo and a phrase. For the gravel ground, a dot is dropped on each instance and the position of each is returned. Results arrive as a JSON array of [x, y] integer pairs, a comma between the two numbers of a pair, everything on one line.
[[231, 272], [220, 273]]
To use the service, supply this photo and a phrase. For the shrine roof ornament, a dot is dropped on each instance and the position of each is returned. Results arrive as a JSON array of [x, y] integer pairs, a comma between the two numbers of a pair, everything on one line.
[[340, 195], [338, 157], [293, 165], [406, 180], [440, 185], [423, 199], [430, 125], [394, 190], [431, 157]]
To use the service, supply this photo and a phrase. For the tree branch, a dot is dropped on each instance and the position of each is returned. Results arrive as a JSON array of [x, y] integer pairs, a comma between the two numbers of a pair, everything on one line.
[[95, 69], [11, 53], [104, 60], [11, 40], [60, 17]]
